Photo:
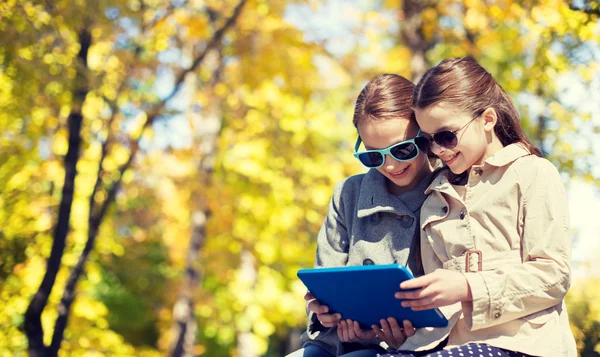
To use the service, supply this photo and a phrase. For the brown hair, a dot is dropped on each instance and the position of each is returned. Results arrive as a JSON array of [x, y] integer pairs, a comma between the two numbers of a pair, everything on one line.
[[463, 83], [387, 96]]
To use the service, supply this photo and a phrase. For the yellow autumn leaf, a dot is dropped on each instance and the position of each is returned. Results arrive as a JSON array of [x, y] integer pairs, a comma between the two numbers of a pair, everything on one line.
[[43, 222], [475, 20], [88, 308], [60, 143], [263, 328]]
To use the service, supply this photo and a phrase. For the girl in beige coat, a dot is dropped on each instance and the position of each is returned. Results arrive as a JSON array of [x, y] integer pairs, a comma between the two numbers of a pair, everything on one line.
[[495, 242]]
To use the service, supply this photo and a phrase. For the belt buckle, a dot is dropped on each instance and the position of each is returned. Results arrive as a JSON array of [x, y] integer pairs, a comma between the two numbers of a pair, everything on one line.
[[468, 260]]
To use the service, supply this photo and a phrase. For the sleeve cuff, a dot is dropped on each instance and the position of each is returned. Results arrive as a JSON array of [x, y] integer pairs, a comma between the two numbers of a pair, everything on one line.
[[314, 327], [476, 312]]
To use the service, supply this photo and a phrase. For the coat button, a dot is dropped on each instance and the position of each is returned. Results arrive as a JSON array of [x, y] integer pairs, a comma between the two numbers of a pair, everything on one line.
[[375, 218], [478, 171], [406, 221], [368, 262], [497, 315], [444, 210], [463, 213]]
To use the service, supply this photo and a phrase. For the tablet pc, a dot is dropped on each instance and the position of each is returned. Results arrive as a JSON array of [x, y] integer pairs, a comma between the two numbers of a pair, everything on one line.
[[366, 294]]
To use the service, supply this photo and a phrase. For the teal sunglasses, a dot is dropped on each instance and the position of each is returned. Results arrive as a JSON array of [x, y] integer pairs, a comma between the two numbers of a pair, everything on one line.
[[403, 151]]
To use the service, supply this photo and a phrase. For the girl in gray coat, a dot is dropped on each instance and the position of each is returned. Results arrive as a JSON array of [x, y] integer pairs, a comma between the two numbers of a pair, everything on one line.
[[373, 218]]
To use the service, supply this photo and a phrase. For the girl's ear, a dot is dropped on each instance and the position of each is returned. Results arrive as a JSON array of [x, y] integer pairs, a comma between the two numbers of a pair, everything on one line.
[[490, 118]]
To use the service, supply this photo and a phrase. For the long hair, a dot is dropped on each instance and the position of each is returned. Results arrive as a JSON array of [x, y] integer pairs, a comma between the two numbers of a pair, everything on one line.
[[387, 96], [466, 85]]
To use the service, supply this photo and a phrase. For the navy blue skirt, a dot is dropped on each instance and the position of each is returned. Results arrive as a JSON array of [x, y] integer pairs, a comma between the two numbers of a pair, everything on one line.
[[470, 350]]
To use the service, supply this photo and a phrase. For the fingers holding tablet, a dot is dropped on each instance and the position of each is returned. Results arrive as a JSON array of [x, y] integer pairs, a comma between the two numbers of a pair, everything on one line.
[[329, 320], [309, 296], [325, 318], [350, 331], [344, 331], [392, 333]]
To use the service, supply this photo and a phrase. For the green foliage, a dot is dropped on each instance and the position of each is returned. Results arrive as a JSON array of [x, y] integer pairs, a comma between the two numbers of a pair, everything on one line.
[[584, 316], [130, 295]]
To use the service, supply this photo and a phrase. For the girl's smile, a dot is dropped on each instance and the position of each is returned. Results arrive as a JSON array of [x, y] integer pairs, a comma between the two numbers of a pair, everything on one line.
[[450, 159], [400, 174]]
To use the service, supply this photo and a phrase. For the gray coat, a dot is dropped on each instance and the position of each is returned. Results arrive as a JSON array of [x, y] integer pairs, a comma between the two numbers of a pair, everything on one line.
[[365, 225]]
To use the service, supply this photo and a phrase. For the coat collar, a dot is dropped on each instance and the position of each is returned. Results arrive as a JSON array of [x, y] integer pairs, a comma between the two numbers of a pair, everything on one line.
[[503, 157], [374, 196], [507, 154]]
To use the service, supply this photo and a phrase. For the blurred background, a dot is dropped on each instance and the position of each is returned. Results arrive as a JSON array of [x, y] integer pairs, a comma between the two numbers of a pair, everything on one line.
[[165, 165]]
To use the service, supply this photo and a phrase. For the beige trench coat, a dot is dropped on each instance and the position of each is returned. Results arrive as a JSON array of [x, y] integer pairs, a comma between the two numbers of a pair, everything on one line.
[[514, 211]]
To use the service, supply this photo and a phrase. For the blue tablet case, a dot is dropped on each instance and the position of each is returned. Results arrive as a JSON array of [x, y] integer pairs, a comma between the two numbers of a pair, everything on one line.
[[366, 294]]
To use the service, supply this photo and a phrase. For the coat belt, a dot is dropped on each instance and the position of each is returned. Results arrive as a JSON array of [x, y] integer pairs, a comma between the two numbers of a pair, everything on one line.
[[475, 260]]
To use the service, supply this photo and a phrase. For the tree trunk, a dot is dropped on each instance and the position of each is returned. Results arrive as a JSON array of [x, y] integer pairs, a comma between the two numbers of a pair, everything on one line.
[[245, 346], [184, 319], [411, 33], [184, 327], [541, 134], [292, 342], [33, 323]]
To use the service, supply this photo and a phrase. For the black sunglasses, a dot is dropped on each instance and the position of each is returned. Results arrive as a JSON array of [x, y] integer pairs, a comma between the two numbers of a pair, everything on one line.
[[402, 151], [447, 139]]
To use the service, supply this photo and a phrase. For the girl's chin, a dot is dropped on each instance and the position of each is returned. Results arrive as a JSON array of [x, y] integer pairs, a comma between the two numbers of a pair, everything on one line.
[[456, 170], [455, 166], [404, 183]]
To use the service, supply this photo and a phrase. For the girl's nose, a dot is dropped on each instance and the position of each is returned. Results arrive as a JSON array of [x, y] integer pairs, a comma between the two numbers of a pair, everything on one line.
[[390, 163], [436, 149]]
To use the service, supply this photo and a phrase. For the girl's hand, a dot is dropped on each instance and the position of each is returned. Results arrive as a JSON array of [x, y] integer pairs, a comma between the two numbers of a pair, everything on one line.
[[392, 333], [350, 331], [322, 311], [440, 288]]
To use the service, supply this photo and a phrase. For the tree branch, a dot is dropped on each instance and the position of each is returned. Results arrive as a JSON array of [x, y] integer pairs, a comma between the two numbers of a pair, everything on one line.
[[33, 325], [114, 109], [590, 9], [168, 11], [198, 60]]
